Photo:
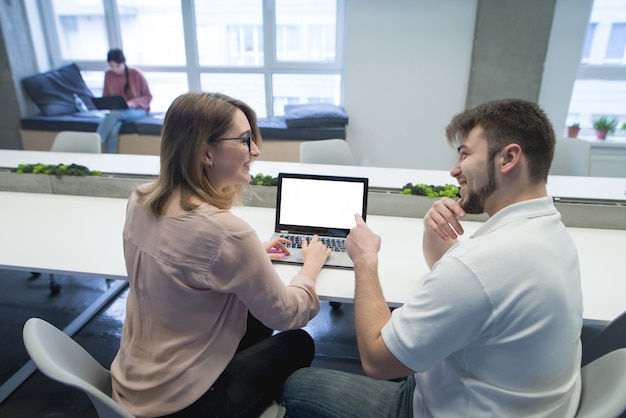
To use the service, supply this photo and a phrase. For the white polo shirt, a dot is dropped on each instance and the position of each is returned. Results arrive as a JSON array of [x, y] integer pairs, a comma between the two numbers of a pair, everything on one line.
[[495, 329]]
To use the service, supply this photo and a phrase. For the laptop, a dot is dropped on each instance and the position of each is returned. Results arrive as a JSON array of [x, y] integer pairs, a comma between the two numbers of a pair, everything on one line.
[[309, 204], [110, 102]]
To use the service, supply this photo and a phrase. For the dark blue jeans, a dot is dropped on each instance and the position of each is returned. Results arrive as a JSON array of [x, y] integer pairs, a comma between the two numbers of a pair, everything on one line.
[[255, 376]]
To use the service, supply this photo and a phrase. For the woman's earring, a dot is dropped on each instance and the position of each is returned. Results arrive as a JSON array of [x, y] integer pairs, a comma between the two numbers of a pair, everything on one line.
[[210, 164]]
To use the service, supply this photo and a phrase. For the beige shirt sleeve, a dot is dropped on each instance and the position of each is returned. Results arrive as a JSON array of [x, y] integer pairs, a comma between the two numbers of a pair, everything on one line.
[[243, 268]]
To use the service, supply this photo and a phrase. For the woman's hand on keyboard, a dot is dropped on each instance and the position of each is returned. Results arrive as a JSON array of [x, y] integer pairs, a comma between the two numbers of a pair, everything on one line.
[[314, 255], [276, 248]]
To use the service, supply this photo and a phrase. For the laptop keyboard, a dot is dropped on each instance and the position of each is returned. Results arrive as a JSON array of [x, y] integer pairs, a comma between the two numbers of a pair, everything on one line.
[[335, 244]]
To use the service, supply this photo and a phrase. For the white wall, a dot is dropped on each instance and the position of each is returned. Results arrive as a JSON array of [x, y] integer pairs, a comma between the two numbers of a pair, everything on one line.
[[407, 72], [406, 75]]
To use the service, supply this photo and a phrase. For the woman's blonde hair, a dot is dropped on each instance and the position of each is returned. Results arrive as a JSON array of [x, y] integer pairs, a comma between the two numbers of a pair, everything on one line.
[[192, 120]]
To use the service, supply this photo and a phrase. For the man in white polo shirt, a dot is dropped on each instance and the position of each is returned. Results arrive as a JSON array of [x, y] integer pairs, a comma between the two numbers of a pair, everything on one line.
[[495, 329]]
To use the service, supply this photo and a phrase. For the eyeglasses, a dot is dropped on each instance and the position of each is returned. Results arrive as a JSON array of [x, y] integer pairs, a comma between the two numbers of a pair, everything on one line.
[[246, 139]]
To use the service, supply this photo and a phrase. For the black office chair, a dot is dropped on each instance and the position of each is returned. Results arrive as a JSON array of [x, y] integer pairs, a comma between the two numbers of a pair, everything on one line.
[[610, 338]]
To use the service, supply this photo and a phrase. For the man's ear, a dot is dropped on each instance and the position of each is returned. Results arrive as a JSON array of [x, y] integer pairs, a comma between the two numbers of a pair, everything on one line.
[[511, 157]]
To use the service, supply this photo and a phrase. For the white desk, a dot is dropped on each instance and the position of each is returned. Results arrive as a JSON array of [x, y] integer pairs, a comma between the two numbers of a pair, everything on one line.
[[120, 164], [570, 187], [80, 235], [91, 228]]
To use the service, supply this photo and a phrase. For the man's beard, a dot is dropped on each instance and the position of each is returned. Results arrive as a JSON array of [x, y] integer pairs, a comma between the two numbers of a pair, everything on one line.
[[474, 203]]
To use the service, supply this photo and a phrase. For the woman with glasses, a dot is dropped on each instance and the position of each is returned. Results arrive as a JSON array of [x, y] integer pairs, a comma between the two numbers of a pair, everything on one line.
[[204, 296]]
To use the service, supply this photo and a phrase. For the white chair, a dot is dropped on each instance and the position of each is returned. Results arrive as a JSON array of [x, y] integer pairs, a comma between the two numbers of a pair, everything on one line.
[[62, 359], [326, 151], [604, 386], [71, 141]]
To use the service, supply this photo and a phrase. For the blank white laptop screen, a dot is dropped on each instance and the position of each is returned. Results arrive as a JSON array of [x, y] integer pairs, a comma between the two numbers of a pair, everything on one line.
[[320, 203]]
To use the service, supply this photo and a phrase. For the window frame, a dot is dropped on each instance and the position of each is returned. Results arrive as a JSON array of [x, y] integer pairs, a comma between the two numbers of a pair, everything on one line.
[[193, 69]]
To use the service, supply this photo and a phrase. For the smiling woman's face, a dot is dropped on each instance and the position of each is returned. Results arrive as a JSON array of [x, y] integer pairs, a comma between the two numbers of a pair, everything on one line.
[[230, 160]]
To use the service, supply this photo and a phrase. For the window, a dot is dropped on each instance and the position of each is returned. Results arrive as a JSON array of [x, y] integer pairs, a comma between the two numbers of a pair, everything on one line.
[[617, 41], [230, 33], [152, 32], [591, 30], [306, 30], [266, 52], [80, 29], [247, 87], [305, 88], [600, 87]]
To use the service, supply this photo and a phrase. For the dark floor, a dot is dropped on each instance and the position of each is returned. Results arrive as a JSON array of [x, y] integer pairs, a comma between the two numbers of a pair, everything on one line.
[[23, 297]]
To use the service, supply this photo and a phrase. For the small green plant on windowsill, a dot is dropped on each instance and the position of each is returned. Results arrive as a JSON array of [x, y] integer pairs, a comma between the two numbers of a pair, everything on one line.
[[604, 125], [447, 190], [55, 170], [573, 130]]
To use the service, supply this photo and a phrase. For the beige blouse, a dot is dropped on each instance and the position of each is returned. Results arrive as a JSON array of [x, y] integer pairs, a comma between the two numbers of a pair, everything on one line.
[[193, 279]]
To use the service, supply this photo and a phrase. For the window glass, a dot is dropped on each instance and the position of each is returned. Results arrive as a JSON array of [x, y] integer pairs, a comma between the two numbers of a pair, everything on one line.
[[594, 98], [588, 39], [165, 87], [95, 81], [600, 88], [306, 30], [617, 41], [81, 29], [305, 88], [230, 33], [152, 32], [249, 88]]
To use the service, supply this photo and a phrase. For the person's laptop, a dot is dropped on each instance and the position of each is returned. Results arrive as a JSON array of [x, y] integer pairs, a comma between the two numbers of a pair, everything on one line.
[[318, 204], [110, 103]]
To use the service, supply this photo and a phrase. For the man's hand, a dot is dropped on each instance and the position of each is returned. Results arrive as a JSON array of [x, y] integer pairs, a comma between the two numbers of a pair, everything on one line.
[[361, 240], [441, 228], [442, 219]]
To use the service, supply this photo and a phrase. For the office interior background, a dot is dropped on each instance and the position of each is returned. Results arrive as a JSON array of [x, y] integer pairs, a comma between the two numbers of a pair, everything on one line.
[[401, 68]]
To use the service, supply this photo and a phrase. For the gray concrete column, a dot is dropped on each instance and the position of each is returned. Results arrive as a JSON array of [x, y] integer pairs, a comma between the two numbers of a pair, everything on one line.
[[17, 60], [510, 45]]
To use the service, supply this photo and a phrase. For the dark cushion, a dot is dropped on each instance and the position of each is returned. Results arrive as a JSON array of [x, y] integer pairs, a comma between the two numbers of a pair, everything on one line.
[[53, 90], [150, 125], [82, 123], [315, 115], [275, 127]]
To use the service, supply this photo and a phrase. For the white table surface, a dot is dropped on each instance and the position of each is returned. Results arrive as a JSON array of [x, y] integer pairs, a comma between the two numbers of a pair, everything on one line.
[[83, 236], [136, 165], [571, 187]]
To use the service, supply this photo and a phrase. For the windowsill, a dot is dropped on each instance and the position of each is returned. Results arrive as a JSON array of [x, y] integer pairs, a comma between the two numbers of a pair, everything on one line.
[[610, 140]]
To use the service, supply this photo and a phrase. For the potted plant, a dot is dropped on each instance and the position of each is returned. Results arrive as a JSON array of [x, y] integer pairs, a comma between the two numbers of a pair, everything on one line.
[[573, 130], [604, 125]]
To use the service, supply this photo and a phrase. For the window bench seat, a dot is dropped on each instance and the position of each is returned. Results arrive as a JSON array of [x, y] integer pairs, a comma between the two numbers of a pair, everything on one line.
[[280, 142]]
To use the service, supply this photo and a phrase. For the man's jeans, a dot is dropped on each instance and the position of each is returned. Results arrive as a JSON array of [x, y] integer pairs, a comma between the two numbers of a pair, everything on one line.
[[313, 392]]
